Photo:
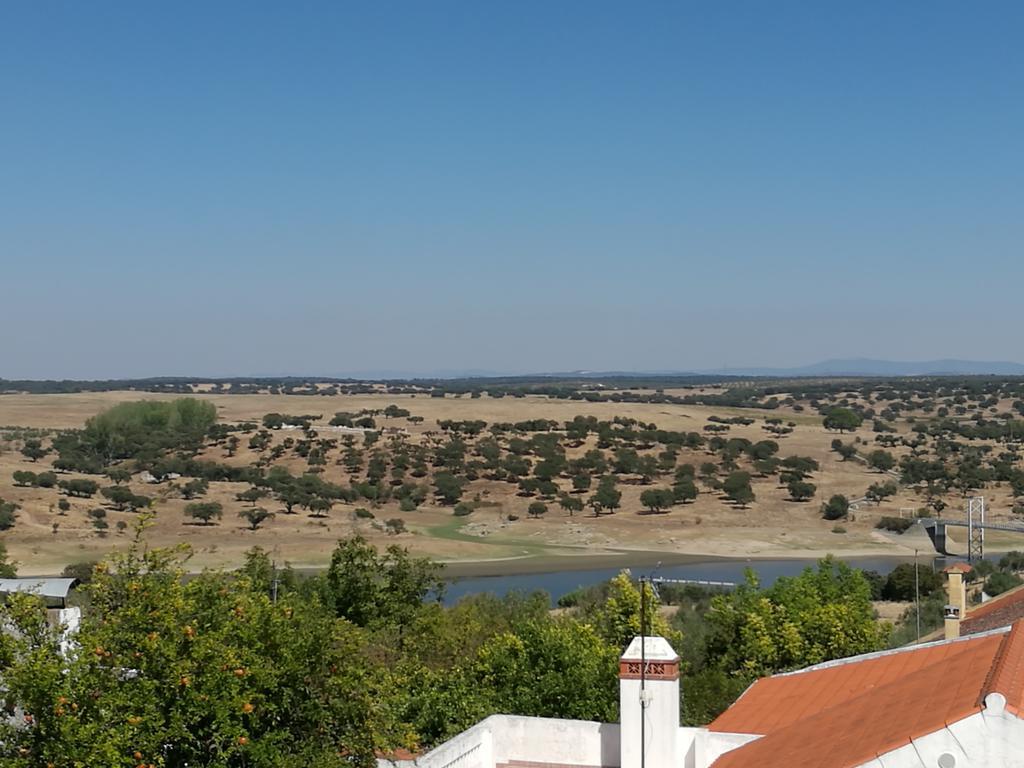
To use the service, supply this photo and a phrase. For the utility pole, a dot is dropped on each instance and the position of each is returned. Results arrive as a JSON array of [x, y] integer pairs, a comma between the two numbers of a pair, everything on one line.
[[643, 672], [917, 597]]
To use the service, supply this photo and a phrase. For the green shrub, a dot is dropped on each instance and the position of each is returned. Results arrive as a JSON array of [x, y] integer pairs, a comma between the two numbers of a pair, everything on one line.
[[7, 510], [1000, 582], [837, 508], [894, 524]]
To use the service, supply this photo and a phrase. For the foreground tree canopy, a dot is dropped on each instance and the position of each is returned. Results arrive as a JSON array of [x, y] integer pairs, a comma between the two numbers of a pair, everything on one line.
[[820, 615], [258, 667]]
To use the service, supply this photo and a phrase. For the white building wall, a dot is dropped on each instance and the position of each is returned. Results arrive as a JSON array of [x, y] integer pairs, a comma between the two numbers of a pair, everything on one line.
[[990, 739], [70, 619], [704, 746], [513, 740], [546, 740], [472, 748]]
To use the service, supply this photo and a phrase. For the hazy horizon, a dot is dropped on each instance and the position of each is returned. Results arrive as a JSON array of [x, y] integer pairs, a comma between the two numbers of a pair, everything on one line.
[[236, 189]]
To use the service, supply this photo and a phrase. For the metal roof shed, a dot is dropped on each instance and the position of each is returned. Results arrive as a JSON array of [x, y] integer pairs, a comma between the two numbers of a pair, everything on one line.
[[48, 589]]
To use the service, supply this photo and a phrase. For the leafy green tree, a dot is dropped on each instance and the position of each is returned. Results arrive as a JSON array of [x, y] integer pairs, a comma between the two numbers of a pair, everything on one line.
[[118, 495], [255, 516], [845, 450], [276, 420], [8, 569], [81, 488], [837, 508], [251, 495], [448, 487], [899, 585], [737, 489], [878, 492], [842, 419], [46, 480], [801, 490], [369, 589], [1012, 561], [657, 499], [319, 506], [221, 677], [581, 482], [8, 514], [626, 461], [143, 431], [204, 511], [822, 614], [24, 479], [607, 496], [537, 510], [618, 617], [800, 466], [570, 503], [1000, 582], [33, 450], [118, 475], [291, 496], [647, 468], [881, 460], [525, 671], [193, 489], [684, 491]]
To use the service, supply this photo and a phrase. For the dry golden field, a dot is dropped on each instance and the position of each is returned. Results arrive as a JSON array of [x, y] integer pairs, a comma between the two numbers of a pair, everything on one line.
[[43, 540]]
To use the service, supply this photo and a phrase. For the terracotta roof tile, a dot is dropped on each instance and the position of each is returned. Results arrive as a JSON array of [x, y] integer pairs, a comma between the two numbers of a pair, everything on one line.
[[957, 568], [1007, 676], [845, 714], [1000, 611], [778, 701]]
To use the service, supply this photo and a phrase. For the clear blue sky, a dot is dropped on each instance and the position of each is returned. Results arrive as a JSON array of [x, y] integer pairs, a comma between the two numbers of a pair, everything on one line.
[[327, 187]]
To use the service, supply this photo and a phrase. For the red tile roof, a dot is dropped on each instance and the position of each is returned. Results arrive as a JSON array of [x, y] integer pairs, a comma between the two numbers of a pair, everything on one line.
[[847, 713], [1000, 611]]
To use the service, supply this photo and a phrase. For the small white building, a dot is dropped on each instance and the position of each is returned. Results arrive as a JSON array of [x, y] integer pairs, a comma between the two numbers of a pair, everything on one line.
[[950, 704]]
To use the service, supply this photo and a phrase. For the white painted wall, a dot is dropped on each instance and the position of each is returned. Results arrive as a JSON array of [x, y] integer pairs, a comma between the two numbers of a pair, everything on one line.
[[992, 738], [547, 740], [508, 738], [703, 747], [70, 619]]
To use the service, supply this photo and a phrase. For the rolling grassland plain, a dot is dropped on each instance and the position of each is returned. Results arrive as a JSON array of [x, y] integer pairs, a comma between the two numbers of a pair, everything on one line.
[[498, 536]]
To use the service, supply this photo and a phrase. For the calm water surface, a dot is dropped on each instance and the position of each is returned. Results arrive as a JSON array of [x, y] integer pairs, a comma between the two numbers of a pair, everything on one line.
[[560, 583]]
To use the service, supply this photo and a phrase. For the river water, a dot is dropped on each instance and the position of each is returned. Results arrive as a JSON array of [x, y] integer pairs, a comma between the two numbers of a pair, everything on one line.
[[560, 583]]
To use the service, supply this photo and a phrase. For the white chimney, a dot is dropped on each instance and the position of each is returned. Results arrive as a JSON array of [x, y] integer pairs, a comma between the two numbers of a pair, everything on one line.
[[649, 704]]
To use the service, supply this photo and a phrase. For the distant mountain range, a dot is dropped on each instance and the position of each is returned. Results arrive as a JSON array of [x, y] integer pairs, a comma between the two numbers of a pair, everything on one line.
[[869, 367], [840, 367]]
